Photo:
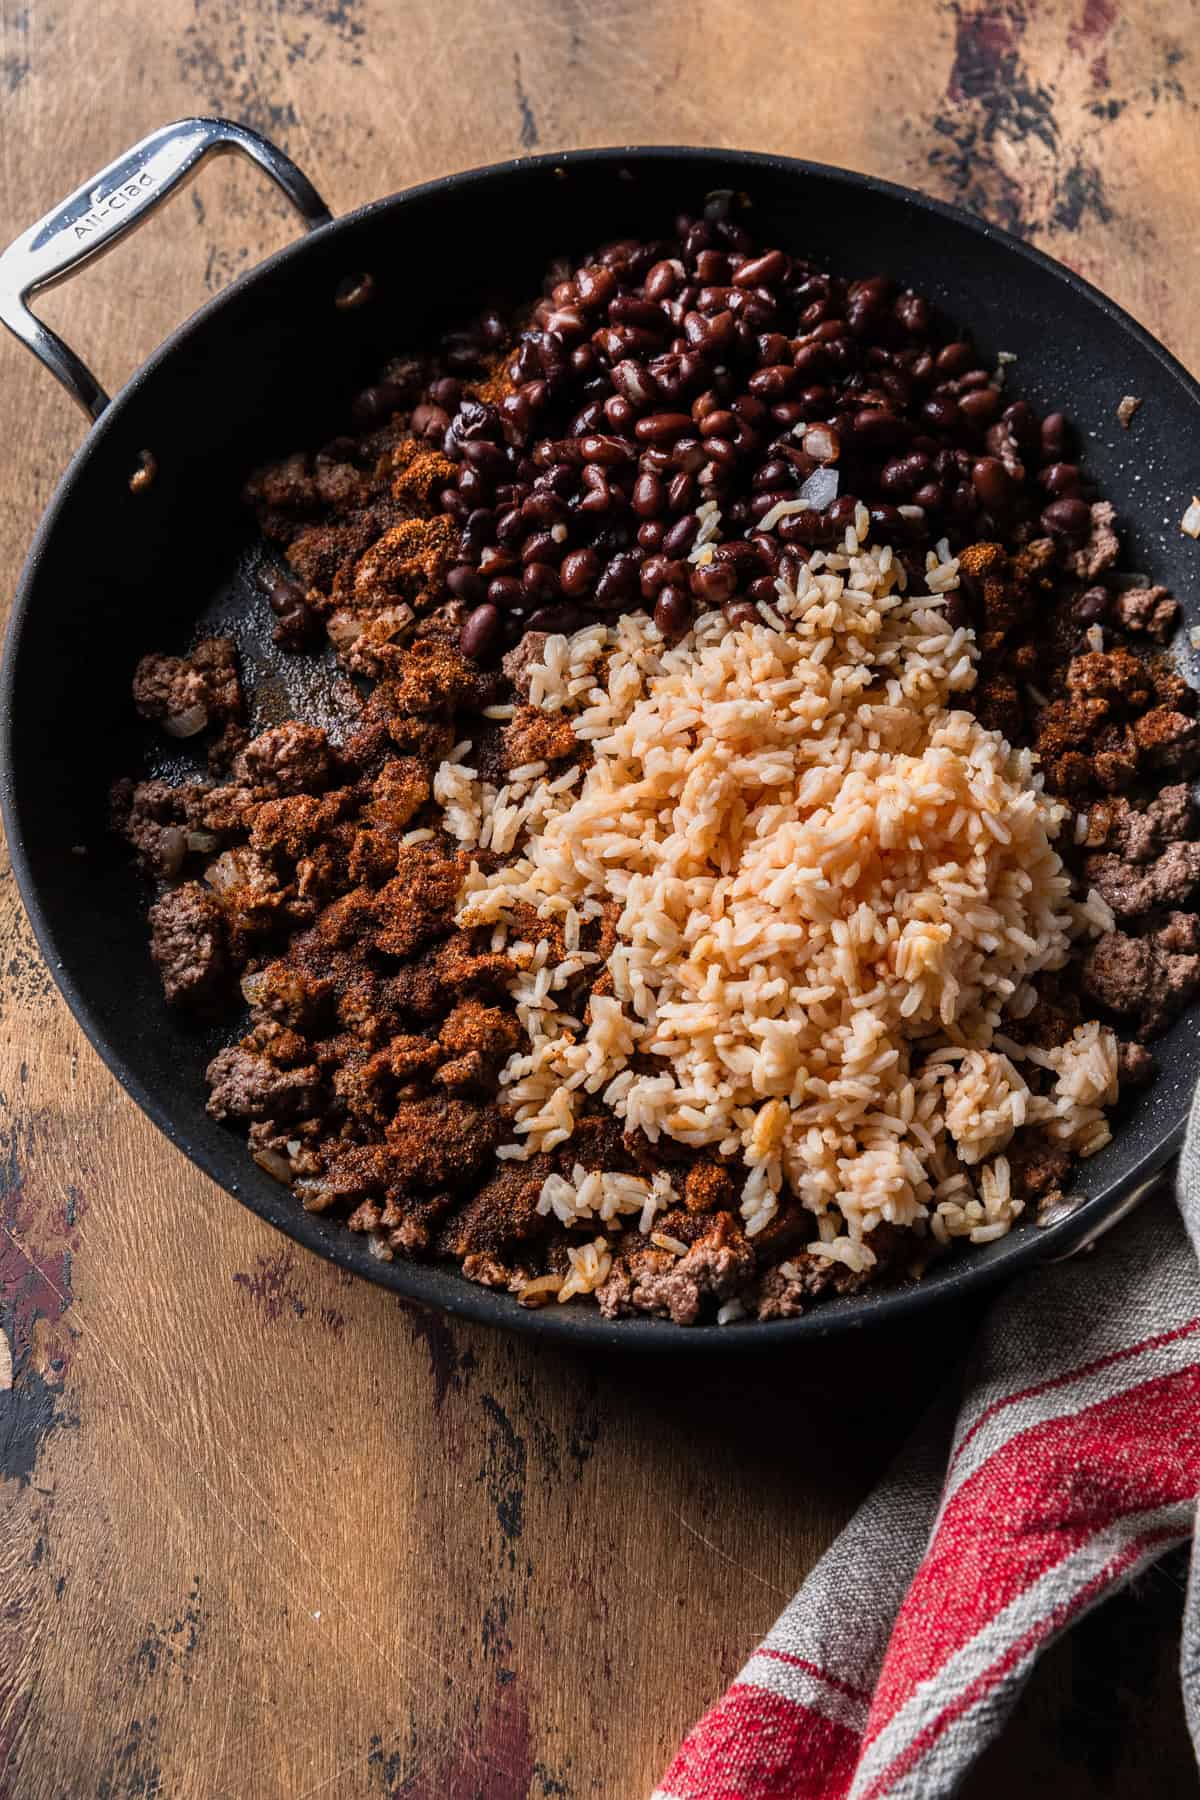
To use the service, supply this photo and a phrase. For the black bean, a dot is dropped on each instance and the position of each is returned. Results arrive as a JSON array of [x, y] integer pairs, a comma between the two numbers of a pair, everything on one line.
[[580, 569], [661, 281], [713, 582], [743, 612], [980, 406], [954, 359], [681, 492], [1023, 423], [617, 579], [899, 477], [887, 522], [718, 424], [589, 418], [991, 482], [941, 412], [596, 286], [540, 581], [481, 633], [1055, 436], [761, 504], [634, 383], [682, 535], [626, 309], [689, 454], [1060, 479], [1068, 518], [673, 611], [650, 534], [663, 427], [1092, 606], [429, 422], [762, 271], [555, 618], [719, 452], [841, 513], [541, 546], [494, 561], [377, 403], [807, 527], [505, 591], [465, 583], [648, 498], [485, 458], [770, 475]]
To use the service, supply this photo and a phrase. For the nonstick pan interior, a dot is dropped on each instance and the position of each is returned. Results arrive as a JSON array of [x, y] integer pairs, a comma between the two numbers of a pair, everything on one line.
[[270, 366]]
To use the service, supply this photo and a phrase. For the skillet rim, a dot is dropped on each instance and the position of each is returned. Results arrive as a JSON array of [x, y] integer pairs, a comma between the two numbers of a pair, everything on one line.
[[435, 1285]]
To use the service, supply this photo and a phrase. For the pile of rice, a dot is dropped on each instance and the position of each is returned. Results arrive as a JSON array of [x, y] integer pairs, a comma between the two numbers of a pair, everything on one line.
[[834, 886]]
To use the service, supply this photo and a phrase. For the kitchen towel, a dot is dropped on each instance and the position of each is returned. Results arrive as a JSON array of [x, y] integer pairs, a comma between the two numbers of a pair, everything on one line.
[[1067, 1461]]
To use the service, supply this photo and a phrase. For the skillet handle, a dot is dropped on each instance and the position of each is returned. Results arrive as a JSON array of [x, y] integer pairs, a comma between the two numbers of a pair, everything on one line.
[[1159, 1182], [112, 203]]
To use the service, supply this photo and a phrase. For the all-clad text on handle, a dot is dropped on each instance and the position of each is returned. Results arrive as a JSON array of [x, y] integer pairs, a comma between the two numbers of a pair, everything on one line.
[[112, 203]]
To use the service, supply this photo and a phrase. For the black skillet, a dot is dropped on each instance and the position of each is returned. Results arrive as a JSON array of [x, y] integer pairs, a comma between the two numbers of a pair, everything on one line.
[[125, 562]]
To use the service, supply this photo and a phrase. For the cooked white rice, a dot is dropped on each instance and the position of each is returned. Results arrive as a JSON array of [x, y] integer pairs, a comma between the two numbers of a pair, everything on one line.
[[834, 886]]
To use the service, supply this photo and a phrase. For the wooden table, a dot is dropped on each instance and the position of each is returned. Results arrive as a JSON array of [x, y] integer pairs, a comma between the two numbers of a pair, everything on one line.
[[264, 1531]]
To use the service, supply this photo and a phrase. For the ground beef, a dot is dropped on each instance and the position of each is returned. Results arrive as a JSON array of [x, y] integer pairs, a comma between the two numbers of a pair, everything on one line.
[[1131, 888], [533, 736], [154, 816], [398, 793], [715, 1267], [288, 759], [1138, 834], [516, 662], [1036, 1164], [502, 1215], [1168, 740], [1136, 1065], [707, 1188], [417, 903], [188, 693], [438, 679], [1151, 612], [187, 942], [438, 1143], [246, 1085], [787, 1296], [1103, 545], [1140, 979]]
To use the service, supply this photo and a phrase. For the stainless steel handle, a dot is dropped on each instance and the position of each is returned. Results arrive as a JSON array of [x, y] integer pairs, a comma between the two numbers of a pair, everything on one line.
[[112, 203], [1161, 1180]]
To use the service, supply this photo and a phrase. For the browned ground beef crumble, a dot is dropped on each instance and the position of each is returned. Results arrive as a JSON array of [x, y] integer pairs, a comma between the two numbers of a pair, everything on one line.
[[529, 476]]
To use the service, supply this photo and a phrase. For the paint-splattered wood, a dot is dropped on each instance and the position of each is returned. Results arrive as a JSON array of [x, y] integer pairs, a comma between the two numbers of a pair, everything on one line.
[[264, 1532]]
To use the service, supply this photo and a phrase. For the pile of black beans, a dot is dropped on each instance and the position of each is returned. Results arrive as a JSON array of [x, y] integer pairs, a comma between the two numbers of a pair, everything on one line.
[[658, 375]]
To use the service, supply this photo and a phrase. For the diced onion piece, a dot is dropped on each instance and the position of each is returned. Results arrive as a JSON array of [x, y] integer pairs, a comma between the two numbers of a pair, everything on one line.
[[252, 986], [203, 842], [1190, 521], [172, 848], [275, 1165], [342, 629], [186, 723], [820, 490]]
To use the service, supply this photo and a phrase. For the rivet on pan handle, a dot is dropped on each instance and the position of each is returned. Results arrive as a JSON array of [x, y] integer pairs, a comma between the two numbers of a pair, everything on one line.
[[112, 203]]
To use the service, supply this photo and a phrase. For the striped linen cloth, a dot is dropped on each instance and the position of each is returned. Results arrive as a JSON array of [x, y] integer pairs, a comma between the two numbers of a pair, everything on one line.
[[1070, 1461]]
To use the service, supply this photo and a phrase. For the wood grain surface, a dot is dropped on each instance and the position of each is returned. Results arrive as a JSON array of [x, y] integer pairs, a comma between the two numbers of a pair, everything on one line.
[[264, 1531]]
